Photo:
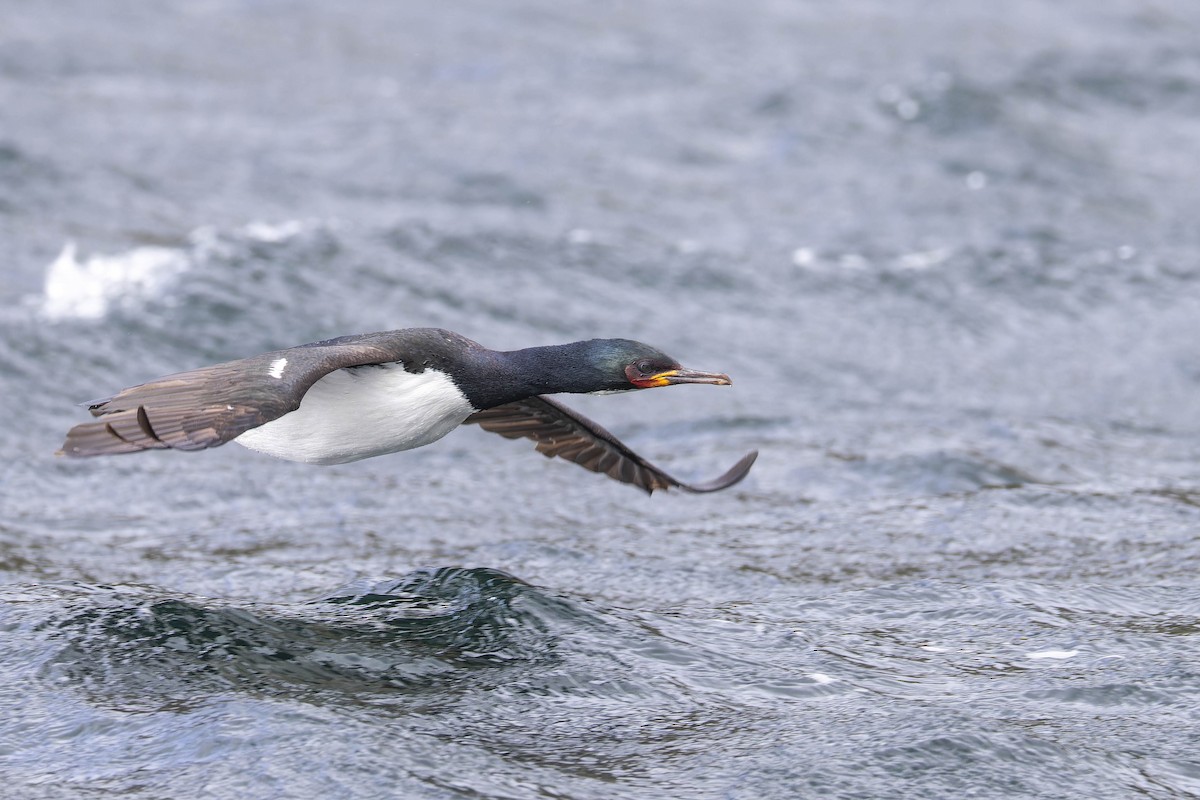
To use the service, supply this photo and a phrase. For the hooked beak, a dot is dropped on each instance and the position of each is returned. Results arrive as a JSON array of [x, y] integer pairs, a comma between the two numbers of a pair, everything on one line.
[[683, 375]]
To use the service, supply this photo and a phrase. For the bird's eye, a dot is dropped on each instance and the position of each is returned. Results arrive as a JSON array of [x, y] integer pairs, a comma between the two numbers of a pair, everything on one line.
[[645, 367]]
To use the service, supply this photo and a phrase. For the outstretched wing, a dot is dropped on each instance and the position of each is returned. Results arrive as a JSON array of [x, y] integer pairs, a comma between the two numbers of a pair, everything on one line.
[[210, 406], [561, 432]]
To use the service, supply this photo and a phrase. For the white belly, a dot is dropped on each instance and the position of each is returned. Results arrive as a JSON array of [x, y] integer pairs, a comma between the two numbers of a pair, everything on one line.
[[358, 413]]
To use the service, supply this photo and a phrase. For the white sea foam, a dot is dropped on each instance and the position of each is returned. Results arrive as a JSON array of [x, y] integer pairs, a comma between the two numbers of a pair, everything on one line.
[[89, 289], [1056, 654], [924, 259], [92, 287], [273, 233]]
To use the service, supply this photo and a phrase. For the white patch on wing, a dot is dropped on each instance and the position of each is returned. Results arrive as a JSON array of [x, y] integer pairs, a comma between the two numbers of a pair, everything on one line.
[[276, 370], [362, 412]]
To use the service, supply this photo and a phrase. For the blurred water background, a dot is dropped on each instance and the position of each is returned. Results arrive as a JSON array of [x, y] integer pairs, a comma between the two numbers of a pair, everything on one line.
[[949, 254]]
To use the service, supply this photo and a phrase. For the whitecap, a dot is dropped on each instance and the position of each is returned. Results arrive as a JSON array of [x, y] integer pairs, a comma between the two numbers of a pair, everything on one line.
[[1057, 654], [273, 233], [89, 289]]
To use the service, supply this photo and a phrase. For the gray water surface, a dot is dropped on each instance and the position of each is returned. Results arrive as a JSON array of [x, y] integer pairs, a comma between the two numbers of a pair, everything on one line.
[[948, 253]]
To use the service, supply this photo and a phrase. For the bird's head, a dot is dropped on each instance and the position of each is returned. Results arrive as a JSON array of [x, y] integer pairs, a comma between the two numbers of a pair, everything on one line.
[[623, 364]]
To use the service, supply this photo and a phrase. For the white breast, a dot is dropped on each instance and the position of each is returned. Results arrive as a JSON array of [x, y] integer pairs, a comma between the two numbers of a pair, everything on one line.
[[358, 413]]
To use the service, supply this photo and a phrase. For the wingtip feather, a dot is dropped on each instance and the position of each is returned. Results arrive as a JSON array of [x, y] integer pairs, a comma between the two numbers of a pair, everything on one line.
[[733, 476]]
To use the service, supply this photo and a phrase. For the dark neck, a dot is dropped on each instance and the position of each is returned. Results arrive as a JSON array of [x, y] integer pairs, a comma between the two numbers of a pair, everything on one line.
[[554, 369], [495, 378]]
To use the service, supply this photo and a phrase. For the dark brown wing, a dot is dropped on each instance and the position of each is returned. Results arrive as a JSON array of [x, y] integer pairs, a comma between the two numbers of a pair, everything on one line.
[[561, 432], [209, 406]]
